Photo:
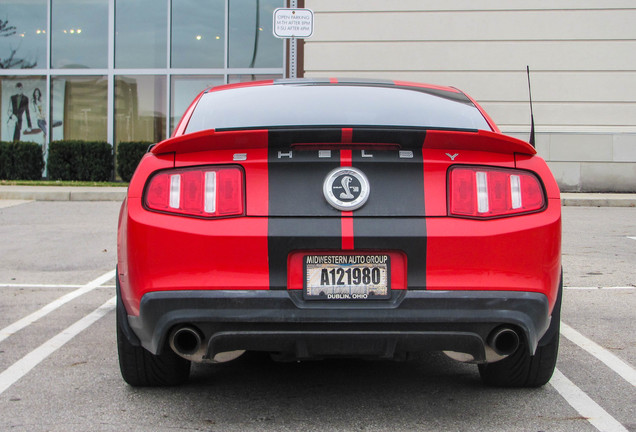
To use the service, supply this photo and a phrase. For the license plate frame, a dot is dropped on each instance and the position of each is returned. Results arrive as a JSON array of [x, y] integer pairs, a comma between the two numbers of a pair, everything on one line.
[[333, 277]]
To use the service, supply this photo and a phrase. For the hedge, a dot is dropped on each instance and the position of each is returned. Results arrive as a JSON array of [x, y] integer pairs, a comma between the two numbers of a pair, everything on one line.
[[21, 161], [129, 153], [80, 160]]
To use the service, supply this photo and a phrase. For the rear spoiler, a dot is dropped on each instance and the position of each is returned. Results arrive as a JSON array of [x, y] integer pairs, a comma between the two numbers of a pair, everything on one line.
[[478, 140], [388, 137]]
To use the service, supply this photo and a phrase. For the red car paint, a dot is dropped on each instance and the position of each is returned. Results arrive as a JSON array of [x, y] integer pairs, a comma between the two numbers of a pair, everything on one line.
[[160, 252]]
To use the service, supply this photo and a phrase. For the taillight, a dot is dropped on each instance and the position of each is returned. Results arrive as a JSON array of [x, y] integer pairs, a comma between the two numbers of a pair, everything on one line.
[[493, 192], [202, 191]]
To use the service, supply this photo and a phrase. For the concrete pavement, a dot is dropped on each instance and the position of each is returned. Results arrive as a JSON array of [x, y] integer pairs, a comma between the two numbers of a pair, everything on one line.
[[64, 193]]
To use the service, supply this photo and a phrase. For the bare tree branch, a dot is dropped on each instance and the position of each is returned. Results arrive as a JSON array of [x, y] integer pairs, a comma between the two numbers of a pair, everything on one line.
[[6, 29], [12, 62]]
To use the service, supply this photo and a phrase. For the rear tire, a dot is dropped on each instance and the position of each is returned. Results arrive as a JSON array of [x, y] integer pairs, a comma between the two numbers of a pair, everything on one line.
[[140, 368], [521, 369]]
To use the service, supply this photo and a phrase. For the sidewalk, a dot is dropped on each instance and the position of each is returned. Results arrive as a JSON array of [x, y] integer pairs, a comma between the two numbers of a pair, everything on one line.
[[62, 193]]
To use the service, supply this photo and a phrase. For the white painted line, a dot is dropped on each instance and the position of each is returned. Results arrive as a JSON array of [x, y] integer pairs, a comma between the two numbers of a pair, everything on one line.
[[601, 288], [617, 365], [8, 285], [30, 319], [35, 357], [11, 285], [633, 238], [586, 407], [12, 203]]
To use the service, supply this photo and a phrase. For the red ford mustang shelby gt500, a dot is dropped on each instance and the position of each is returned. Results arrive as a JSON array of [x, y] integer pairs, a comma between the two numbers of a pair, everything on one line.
[[321, 218]]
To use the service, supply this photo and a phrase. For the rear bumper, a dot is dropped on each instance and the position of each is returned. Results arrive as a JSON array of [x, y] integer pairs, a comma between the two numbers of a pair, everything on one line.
[[281, 321]]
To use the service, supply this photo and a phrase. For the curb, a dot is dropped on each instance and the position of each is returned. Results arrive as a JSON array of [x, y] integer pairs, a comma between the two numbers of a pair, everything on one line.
[[598, 200], [62, 193]]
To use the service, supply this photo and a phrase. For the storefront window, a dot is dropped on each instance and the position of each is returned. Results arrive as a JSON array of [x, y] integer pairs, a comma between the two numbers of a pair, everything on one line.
[[183, 91], [79, 35], [79, 108], [140, 108], [198, 34], [252, 43], [23, 107], [140, 33], [162, 54], [23, 34]]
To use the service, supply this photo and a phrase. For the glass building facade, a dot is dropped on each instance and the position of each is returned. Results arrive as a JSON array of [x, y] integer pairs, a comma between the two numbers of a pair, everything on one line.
[[124, 70]]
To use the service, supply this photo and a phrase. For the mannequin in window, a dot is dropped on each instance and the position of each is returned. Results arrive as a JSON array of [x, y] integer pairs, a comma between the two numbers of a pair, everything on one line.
[[19, 105]]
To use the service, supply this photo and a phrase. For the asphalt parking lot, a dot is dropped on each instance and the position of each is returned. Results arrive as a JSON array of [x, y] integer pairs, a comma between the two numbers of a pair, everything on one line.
[[59, 371]]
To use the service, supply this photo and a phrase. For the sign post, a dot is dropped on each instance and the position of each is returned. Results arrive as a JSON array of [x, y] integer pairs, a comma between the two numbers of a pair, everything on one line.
[[292, 24]]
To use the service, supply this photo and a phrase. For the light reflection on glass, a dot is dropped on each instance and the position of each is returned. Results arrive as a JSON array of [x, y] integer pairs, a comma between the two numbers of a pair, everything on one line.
[[79, 36], [140, 33], [193, 29]]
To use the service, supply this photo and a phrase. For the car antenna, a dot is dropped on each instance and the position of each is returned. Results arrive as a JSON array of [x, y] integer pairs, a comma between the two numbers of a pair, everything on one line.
[[531, 112]]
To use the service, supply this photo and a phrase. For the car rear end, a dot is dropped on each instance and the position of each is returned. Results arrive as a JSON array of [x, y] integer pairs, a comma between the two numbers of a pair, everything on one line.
[[338, 236]]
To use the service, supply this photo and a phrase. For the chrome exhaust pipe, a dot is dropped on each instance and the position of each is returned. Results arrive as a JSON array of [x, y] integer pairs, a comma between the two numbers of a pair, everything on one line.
[[504, 341], [185, 341]]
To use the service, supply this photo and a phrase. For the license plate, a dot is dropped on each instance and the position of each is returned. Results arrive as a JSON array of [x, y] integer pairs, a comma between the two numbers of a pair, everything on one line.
[[347, 277]]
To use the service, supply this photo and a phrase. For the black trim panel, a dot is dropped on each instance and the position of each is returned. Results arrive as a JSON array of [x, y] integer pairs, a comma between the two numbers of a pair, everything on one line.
[[245, 317]]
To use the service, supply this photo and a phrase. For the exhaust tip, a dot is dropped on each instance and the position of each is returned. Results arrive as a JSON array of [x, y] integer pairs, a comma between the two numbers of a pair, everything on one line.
[[185, 341], [504, 341]]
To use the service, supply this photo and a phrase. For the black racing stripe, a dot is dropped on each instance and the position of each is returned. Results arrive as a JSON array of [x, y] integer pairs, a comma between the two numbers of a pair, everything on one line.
[[301, 219], [296, 176], [286, 235], [295, 184], [396, 183], [405, 234], [299, 216], [396, 200]]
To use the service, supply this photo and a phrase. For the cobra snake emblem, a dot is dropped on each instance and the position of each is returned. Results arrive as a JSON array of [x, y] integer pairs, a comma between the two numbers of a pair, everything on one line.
[[345, 185]]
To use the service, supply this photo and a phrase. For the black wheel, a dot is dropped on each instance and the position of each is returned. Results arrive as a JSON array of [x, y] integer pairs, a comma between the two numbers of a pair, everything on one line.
[[140, 368], [521, 369]]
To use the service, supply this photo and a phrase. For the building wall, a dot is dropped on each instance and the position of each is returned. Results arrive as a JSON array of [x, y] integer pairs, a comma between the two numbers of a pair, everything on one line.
[[580, 53]]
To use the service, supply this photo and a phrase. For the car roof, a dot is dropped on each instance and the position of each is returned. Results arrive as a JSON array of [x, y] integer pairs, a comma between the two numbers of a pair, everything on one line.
[[442, 91]]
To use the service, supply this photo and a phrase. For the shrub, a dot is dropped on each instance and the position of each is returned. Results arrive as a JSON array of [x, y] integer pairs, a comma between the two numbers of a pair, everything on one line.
[[21, 161], [129, 153], [80, 160]]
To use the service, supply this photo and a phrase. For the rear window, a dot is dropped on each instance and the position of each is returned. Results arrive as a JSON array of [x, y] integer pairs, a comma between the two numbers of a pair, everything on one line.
[[339, 105]]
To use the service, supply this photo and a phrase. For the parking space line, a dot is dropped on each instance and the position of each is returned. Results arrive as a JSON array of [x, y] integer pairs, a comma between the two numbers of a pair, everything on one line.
[[12, 203], [30, 319], [584, 405], [601, 288], [8, 285], [35, 357], [617, 365]]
